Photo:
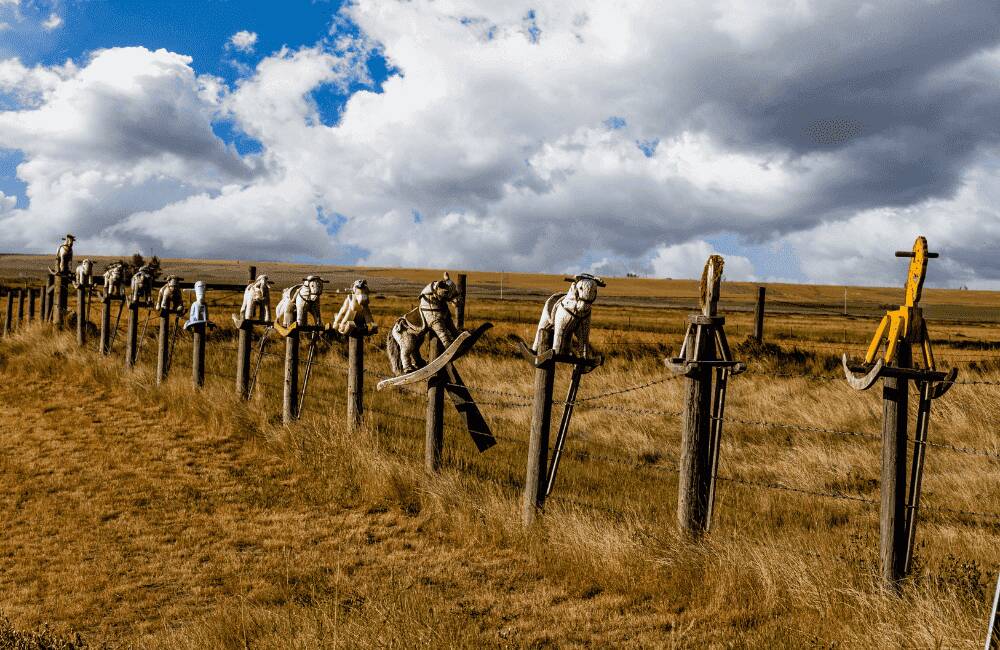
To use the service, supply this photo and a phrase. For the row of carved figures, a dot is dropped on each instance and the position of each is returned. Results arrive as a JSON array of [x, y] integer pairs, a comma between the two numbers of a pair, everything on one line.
[[566, 316]]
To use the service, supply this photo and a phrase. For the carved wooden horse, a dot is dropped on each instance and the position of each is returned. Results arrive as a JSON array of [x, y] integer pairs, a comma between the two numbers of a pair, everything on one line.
[[568, 315], [257, 295], [355, 305], [405, 338]]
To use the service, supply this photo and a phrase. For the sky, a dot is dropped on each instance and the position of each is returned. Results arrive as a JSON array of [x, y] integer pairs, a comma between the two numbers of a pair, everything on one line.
[[804, 140]]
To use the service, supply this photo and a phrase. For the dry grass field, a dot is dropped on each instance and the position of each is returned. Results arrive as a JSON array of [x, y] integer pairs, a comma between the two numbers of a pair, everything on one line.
[[145, 516]]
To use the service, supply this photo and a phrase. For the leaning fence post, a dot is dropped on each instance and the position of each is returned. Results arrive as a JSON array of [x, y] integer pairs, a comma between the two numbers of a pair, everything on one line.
[[105, 324], [290, 403], [132, 333], [8, 316], [20, 306], [758, 315], [32, 294], [538, 442], [243, 344], [434, 425], [198, 354], [162, 347], [355, 377], [892, 529], [46, 297]]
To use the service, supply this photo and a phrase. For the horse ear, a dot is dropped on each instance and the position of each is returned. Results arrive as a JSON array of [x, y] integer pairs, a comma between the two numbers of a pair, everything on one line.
[[446, 276]]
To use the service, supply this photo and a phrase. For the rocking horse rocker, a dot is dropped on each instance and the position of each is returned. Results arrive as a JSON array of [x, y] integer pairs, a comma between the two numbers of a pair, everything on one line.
[[403, 349]]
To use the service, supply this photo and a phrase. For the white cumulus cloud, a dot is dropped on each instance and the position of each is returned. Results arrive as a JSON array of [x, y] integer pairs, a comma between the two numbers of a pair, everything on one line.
[[54, 21], [243, 40]]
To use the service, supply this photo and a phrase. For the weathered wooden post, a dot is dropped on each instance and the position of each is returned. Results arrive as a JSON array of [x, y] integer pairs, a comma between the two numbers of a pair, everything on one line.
[[243, 344], [198, 354], [105, 343], [706, 363], [132, 334], [901, 331], [758, 315], [9, 314], [434, 420], [538, 442], [32, 295], [460, 305], [61, 293], [290, 402], [355, 377], [21, 293]]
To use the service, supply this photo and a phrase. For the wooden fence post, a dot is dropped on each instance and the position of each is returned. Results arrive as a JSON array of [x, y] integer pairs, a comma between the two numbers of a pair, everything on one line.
[[132, 334], [81, 315], [290, 403], [243, 344], [8, 316], [434, 425], [105, 326], [198, 354], [32, 294], [892, 528], [20, 306], [758, 315], [538, 443], [162, 347], [61, 294], [355, 378], [695, 480], [45, 298], [460, 308]]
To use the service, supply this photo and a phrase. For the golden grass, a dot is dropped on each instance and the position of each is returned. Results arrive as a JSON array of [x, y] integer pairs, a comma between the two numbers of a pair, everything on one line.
[[172, 517]]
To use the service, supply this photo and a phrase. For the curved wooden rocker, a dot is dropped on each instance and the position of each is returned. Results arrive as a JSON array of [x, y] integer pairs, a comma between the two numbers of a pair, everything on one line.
[[459, 347]]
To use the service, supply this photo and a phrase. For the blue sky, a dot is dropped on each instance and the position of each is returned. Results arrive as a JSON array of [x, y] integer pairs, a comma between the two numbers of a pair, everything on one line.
[[804, 143]]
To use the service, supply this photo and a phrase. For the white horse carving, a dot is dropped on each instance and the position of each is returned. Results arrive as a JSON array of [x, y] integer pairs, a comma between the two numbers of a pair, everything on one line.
[[568, 315], [64, 255], [257, 294], [355, 306], [299, 302], [142, 285], [113, 277], [84, 271]]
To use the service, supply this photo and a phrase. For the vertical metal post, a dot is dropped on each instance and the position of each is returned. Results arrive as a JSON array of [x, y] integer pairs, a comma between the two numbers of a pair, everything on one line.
[[892, 528], [460, 309], [695, 479], [434, 420], [758, 315], [355, 380], [105, 326], [132, 334], [538, 443], [290, 403], [162, 347], [198, 355]]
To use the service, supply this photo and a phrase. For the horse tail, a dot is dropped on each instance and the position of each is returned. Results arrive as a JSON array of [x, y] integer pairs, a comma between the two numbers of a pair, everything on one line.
[[393, 351]]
